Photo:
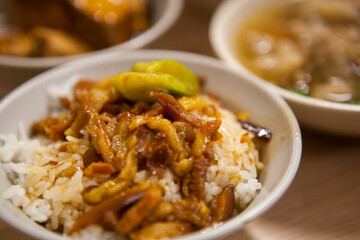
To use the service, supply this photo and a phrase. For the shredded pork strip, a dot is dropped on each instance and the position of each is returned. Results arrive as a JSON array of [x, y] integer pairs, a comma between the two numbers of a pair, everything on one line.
[[116, 203], [175, 109], [97, 128]]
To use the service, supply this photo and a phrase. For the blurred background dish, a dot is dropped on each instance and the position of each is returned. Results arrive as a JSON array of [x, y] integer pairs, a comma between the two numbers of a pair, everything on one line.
[[308, 50], [68, 27], [281, 155], [44, 34]]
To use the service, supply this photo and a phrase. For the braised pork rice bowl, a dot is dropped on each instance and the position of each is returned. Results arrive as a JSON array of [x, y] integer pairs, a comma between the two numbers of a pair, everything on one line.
[[142, 154]]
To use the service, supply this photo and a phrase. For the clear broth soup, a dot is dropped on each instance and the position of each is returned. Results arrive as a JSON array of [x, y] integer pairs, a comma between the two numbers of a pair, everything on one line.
[[309, 47]]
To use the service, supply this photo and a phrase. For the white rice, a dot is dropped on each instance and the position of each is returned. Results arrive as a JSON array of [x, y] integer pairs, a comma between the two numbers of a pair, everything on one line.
[[46, 194], [41, 191]]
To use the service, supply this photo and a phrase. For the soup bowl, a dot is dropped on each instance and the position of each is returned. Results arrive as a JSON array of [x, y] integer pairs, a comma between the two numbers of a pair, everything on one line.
[[317, 114]]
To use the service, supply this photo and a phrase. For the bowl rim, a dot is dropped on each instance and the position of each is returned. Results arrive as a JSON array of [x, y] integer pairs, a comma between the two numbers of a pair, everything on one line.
[[171, 14], [231, 225], [219, 21]]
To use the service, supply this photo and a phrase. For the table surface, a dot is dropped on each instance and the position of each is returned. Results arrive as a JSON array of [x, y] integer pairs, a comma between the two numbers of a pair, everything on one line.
[[323, 202]]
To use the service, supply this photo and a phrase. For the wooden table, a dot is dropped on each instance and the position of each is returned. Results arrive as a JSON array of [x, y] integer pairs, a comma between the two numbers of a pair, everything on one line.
[[323, 202]]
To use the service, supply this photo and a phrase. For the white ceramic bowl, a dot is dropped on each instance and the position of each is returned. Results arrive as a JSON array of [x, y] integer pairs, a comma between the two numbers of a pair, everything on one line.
[[281, 155], [164, 15], [322, 115]]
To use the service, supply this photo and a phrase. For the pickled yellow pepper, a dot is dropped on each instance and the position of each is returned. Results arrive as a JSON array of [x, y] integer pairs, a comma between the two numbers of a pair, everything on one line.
[[164, 75]]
